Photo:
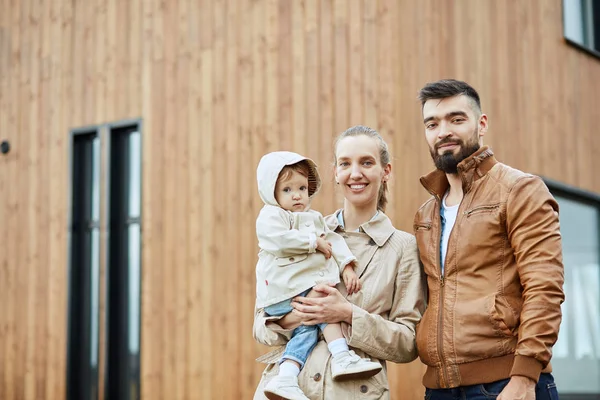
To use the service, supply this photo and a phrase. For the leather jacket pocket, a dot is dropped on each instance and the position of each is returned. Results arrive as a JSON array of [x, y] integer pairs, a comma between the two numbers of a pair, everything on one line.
[[423, 234], [504, 317], [422, 226], [482, 324], [481, 209], [423, 331]]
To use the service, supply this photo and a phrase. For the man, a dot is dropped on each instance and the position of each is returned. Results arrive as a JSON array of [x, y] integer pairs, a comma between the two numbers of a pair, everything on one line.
[[490, 245]]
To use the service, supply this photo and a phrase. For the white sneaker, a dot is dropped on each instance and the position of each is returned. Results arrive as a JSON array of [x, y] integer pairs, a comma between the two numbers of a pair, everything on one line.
[[351, 366], [284, 388]]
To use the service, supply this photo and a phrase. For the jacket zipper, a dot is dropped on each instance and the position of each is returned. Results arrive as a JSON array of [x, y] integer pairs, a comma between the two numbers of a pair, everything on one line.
[[440, 333]]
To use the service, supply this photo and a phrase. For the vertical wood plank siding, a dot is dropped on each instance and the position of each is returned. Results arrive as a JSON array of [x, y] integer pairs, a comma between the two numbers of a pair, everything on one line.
[[218, 83]]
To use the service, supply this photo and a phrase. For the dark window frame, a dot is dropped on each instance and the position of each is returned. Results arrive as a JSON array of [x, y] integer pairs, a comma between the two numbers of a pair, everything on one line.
[[114, 383], [81, 385], [588, 198]]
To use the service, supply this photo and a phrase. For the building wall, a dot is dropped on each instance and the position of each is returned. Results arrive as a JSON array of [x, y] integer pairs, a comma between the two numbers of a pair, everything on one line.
[[217, 83]]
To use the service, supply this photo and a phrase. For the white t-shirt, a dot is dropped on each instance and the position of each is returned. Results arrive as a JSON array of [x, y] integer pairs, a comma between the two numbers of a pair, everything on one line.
[[448, 215]]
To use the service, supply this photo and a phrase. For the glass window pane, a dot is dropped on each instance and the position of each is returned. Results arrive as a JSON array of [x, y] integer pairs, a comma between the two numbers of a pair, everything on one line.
[[572, 16], [134, 288], [576, 359], [133, 301], [95, 299], [135, 155], [96, 179], [581, 19]]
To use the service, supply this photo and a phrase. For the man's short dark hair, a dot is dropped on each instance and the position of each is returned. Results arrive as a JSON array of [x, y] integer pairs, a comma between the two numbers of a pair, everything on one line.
[[445, 88]]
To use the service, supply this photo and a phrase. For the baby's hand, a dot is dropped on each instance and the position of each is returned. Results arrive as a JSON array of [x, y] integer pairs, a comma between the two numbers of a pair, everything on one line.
[[324, 247], [351, 280]]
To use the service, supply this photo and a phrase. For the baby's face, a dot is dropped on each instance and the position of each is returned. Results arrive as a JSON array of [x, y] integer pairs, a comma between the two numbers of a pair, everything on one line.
[[292, 193]]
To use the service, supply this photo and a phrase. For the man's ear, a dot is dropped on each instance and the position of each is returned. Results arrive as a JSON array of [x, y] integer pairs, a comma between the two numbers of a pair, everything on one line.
[[482, 125]]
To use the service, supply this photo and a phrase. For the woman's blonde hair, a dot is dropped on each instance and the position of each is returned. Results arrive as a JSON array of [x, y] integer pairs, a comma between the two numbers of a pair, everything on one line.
[[384, 155]]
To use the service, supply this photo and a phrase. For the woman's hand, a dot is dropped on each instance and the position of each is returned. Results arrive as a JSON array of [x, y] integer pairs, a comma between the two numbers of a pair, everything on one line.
[[331, 308]]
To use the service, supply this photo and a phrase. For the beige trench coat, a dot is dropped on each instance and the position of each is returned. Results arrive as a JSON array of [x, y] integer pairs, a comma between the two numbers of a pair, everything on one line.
[[385, 312]]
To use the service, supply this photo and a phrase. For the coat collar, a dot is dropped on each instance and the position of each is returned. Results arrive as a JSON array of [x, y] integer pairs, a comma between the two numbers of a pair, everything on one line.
[[470, 170], [380, 228]]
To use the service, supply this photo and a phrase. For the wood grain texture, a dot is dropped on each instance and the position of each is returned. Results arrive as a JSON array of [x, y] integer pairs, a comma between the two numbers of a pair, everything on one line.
[[218, 83]]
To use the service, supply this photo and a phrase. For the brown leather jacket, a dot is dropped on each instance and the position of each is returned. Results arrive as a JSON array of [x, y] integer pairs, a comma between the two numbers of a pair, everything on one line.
[[496, 310]]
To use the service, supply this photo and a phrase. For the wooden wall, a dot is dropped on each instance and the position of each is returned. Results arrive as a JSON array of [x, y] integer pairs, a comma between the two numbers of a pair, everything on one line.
[[217, 84]]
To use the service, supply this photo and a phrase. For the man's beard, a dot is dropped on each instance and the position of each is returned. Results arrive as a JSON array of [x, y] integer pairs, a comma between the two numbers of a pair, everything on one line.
[[448, 162]]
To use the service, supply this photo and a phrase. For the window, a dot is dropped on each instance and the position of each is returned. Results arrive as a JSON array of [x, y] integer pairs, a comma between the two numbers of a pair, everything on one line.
[[82, 357], [576, 358], [106, 175], [581, 20], [123, 314]]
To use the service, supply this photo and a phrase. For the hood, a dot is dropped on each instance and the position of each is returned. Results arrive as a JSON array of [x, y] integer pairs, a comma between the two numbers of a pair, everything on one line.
[[270, 166]]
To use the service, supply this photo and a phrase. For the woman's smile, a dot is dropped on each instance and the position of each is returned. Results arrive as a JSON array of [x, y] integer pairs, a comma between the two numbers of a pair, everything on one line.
[[357, 187]]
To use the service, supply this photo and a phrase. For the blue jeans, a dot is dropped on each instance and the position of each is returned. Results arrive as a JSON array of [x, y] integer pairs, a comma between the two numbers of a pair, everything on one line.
[[304, 338], [544, 390]]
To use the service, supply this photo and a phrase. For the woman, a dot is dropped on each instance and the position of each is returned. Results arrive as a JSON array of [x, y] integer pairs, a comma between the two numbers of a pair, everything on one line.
[[378, 321]]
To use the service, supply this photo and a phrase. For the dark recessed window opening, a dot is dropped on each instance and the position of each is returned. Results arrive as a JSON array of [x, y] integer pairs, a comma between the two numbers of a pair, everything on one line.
[[82, 357], [124, 265]]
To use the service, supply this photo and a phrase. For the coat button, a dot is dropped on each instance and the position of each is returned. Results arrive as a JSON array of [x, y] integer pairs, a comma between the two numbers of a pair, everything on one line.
[[363, 388], [317, 377], [291, 259], [307, 224]]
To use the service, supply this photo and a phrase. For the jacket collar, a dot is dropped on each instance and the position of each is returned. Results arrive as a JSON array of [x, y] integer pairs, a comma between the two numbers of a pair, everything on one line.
[[470, 170], [380, 228]]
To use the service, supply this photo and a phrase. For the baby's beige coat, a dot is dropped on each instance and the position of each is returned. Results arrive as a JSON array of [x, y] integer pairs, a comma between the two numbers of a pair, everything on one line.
[[385, 313], [287, 263]]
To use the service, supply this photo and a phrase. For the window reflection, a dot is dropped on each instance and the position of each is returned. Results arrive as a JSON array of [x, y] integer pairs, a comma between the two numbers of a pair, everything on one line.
[[581, 22], [94, 297], [134, 288], [135, 176], [576, 359]]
